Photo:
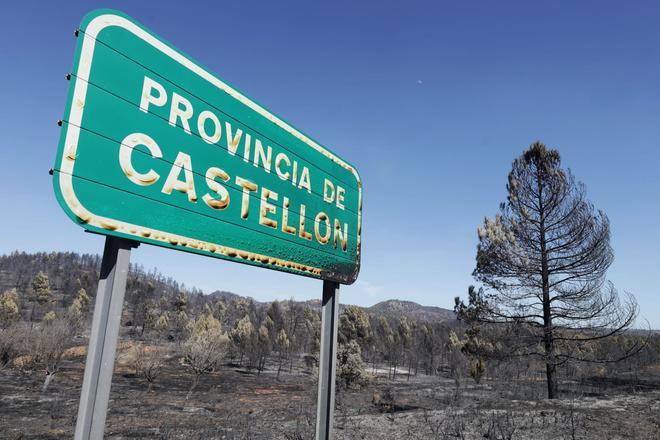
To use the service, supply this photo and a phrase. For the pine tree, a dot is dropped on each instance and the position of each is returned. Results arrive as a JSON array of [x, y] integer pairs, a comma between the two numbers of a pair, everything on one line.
[[263, 344], [41, 288], [75, 314], [543, 261], [282, 345], [204, 348], [350, 367], [241, 336], [41, 293], [9, 311]]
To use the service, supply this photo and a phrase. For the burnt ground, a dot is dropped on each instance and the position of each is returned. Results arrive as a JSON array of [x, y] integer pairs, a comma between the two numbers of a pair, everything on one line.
[[234, 403]]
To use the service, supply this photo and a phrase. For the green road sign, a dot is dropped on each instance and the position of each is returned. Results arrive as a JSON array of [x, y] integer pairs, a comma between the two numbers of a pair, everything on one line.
[[157, 149]]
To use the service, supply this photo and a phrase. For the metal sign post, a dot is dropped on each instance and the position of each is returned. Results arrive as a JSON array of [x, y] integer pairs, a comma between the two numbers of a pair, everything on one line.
[[325, 406], [103, 339]]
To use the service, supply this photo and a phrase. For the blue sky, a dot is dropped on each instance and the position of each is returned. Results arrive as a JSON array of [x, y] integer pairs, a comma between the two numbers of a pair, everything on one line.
[[432, 101]]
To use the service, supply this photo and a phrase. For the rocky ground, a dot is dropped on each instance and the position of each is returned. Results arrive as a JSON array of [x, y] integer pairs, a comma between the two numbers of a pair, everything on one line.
[[237, 404]]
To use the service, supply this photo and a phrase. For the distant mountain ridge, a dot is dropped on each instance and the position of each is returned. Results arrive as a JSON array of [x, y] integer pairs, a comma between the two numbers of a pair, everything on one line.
[[226, 296], [69, 271], [392, 308], [397, 308]]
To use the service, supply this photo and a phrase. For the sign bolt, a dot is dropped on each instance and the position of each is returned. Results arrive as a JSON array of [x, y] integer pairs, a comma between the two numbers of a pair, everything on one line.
[[59, 122], [76, 32], [68, 77]]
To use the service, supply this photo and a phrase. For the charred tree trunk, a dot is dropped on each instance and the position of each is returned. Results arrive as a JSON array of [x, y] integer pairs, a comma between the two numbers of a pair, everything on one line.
[[548, 336], [49, 378], [193, 386]]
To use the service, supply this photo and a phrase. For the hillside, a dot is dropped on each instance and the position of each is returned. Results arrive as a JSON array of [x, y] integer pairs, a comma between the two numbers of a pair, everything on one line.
[[397, 308], [392, 308], [70, 271], [224, 295]]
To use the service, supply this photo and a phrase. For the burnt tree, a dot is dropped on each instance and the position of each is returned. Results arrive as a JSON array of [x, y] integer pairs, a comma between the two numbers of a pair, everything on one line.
[[543, 261]]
